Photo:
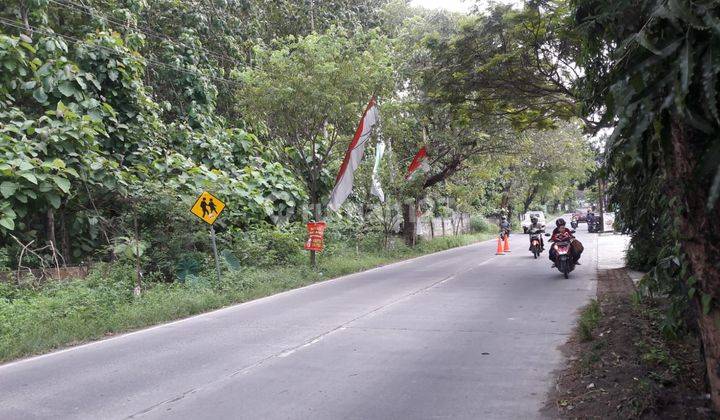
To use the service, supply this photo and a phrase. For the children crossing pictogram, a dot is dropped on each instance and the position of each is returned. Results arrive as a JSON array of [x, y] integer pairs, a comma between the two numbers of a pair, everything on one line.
[[207, 207]]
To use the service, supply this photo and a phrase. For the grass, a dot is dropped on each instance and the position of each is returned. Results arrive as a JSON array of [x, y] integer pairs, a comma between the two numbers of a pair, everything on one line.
[[37, 320], [589, 319]]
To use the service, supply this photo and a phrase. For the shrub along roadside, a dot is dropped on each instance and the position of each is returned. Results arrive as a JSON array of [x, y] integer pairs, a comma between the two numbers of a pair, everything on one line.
[[61, 314]]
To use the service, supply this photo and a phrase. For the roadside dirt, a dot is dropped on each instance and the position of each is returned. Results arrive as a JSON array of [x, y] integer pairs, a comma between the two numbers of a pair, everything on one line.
[[627, 369]]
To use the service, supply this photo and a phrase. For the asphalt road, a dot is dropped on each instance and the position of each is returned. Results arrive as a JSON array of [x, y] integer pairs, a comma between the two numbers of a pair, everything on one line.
[[459, 334]]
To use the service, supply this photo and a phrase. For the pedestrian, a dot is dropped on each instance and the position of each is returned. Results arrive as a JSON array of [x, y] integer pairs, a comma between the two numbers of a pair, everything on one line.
[[204, 207]]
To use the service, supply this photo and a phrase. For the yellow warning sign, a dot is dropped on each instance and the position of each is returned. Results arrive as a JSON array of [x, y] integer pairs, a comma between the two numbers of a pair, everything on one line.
[[207, 207]]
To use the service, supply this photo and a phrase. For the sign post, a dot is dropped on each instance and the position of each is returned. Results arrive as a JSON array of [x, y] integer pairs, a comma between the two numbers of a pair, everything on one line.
[[208, 208], [214, 247]]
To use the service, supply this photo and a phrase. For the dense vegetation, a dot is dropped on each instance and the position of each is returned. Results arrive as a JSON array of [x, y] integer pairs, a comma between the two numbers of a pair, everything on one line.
[[651, 72], [116, 114]]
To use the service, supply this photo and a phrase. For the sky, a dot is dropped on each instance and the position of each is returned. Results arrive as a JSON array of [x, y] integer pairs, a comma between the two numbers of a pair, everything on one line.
[[456, 5]]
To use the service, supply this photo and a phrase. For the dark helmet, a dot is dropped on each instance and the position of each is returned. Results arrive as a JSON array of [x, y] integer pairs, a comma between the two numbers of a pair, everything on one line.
[[504, 218], [534, 219], [560, 222]]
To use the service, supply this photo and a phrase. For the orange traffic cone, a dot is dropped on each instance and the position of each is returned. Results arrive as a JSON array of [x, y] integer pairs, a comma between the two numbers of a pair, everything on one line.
[[500, 247], [507, 244]]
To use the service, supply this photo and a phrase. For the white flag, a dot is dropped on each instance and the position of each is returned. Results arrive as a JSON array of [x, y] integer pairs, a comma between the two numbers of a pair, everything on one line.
[[353, 156], [376, 187]]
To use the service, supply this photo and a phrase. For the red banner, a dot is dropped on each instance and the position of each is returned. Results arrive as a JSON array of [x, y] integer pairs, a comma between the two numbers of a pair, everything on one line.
[[316, 230]]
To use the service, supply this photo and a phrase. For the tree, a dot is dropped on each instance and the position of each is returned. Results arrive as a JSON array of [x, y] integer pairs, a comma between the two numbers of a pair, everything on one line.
[[551, 166], [514, 65], [651, 71], [451, 139], [309, 93]]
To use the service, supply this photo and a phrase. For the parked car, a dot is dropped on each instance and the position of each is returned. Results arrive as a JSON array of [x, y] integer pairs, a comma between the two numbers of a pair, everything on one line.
[[525, 219]]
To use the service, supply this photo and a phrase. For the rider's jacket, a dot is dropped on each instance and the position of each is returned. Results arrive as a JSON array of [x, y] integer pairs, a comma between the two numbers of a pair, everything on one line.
[[535, 227], [561, 234]]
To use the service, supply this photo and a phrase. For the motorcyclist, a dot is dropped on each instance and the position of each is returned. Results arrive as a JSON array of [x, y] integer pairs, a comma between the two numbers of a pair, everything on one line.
[[536, 227], [504, 226], [590, 218], [562, 234]]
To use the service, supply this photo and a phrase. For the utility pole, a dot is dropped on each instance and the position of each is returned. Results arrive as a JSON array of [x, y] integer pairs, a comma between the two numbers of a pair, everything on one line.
[[601, 203]]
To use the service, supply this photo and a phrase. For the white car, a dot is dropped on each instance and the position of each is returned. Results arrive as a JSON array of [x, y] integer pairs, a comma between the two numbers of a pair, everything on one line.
[[525, 219]]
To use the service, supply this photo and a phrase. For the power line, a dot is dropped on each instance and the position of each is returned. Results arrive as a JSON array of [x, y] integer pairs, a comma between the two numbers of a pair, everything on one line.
[[21, 26], [69, 5]]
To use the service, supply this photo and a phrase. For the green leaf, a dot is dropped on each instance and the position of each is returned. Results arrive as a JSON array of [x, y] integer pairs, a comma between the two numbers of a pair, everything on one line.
[[681, 9], [58, 163], [40, 95], [45, 187], [641, 38], [62, 183], [67, 89], [714, 191], [28, 47], [706, 300], [7, 223], [30, 177], [7, 189], [54, 200]]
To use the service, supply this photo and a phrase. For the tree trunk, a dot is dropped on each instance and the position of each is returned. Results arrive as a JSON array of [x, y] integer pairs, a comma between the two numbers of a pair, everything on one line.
[[409, 223], [24, 12], [601, 203], [64, 237], [699, 240], [51, 227], [529, 198], [138, 267]]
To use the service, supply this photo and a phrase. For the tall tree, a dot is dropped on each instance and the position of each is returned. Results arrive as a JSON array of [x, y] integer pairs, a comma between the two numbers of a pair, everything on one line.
[[512, 64], [651, 69], [309, 94]]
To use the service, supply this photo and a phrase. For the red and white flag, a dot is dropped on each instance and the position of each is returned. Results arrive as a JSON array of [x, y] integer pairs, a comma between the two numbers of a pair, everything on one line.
[[353, 156], [420, 161]]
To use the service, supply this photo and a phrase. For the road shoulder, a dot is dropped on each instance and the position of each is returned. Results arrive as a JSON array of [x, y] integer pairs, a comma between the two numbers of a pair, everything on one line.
[[621, 366]]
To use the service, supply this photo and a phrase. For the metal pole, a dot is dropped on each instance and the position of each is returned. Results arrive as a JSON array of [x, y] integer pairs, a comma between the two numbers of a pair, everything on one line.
[[138, 270], [601, 188], [215, 253]]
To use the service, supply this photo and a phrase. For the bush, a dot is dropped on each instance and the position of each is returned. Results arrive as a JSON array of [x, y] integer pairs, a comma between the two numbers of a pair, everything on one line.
[[589, 319], [266, 245], [479, 223], [5, 263]]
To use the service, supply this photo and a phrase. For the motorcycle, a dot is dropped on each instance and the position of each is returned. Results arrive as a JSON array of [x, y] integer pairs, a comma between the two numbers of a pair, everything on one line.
[[594, 225], [504, 233], [574, 223], [564, 261], [535, 243]]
